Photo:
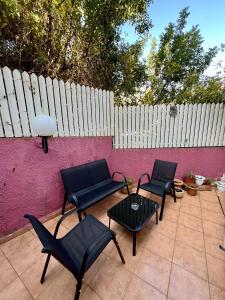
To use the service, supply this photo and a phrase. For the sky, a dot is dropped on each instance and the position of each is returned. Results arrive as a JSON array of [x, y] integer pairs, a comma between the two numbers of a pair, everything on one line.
[[208, 14]]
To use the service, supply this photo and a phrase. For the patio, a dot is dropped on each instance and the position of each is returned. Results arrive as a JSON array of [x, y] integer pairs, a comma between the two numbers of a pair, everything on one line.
[[177, 259]]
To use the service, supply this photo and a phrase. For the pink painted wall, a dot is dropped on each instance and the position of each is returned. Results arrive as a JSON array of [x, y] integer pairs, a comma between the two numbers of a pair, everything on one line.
[[30, 181], [208, 162]]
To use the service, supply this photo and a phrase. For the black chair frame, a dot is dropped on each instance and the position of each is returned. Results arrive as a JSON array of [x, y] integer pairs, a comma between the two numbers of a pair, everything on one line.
[[79, 277]]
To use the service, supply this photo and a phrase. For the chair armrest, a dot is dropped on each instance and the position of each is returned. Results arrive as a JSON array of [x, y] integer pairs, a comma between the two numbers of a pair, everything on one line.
[[70, 212], [91, 247], [120, 173], [140, 178], [169, 184], [73, 198]]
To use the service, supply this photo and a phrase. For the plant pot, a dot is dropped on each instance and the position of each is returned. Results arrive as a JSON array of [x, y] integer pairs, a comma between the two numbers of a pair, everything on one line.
[[191, 189], [124, 189], [178, 183], [199, 180], [179, 192], [220, 186], [188, 180]]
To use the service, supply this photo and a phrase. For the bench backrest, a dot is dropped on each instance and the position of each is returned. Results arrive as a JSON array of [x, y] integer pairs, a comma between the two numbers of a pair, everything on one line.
[[163, 170], [83, 176]]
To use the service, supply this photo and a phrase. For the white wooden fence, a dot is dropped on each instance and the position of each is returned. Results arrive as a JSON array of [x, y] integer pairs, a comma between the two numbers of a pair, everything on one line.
[[85, 111], [197, 125], [78, 110]]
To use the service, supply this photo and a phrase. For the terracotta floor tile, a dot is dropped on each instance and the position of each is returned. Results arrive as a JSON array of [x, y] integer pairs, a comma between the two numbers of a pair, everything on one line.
[[215, 217], [190, 200], [190, 221], [31, 277], [17, 244], [126, 247], [192, 210], [208, 196], [216, 293], [212, 247], [212, 206], [171, 204], [112, 280], [24, 259], [50, 225], [213, 229], [190, 237], [190, 259], [62, 287], [15, 290], [160, 245], [170, 215], [7, 272], [138, 289], [70, 221], [187, 286], [154, 269], [216, 269], [166, 228], [89, 294], [94, 269]]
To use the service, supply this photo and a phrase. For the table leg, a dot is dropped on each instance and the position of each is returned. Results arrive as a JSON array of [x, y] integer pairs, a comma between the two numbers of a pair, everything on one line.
[[109, 222], [156, 217], [134, 243]]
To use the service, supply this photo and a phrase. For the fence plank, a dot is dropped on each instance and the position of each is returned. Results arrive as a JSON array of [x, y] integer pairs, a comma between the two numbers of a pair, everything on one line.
[[158, 126], [150, 126], [171, 131], [222, 130], [205, 128], [89, 115], [104, 112], [166, 134], [12, 102], [84, 109], [146, 109], [59, 119], [80, 111], [214, 123], [43, 95], [129, 131], [137, 125], [36, 94], [51, 102], [210, 123], [133, 127], [112, 112], [64, 107], [141, 140], [116, 133], [93, 106], [180, 125], [69, 109], [121, 136], [108, 112], [188, 126], [101, 112], [4, 110], [21, 103], [201, 124], [75, 109], [97, 112], [218, 127], [124, 115]]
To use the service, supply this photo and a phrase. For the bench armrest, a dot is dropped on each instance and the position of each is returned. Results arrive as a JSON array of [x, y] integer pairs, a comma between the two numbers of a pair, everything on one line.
[[169, 184], [73, 198], [70, 212], [120, 173], [142, 175]]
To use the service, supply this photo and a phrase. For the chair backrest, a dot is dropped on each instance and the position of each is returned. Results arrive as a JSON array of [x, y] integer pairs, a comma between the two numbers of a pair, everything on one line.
[[163, 170], [51, 244], [83, 176]]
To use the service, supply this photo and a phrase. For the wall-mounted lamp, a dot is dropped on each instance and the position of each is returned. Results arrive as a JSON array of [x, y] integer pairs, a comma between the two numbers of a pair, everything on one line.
[[44, 126]]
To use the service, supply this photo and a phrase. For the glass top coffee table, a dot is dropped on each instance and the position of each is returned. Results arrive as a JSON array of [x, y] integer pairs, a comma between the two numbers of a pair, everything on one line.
[[132, 212]]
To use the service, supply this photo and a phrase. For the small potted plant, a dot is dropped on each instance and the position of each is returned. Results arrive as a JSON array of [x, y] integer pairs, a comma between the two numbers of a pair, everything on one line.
[[179, 192], [191, 189], [130, 185], [189, 178]]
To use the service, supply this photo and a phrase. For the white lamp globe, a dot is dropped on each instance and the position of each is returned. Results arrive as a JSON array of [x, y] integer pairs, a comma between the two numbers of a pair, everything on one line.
[[43, 125]]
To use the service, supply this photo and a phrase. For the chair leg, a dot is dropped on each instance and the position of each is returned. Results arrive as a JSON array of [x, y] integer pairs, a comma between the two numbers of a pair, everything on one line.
[[78, 289], [162, 207], [79, 216], [64, 206], [174, 194], [45, 268], [118, 249]]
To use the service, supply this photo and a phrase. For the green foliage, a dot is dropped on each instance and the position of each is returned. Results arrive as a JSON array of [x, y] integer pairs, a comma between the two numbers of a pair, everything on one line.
[[75, 40], [176, 67]]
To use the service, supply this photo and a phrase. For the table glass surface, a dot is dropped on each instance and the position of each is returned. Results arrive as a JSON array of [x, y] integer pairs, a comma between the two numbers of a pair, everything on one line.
[[132, 219]]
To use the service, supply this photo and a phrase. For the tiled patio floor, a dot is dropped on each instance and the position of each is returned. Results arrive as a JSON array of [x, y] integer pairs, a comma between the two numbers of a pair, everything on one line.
[[177, 259]]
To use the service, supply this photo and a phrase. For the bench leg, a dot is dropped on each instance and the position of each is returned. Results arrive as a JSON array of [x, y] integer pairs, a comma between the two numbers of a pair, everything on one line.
[[64, 206], [79, 216]]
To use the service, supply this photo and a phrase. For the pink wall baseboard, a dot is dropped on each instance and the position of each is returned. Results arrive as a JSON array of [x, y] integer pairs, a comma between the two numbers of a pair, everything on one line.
[[30, 181]]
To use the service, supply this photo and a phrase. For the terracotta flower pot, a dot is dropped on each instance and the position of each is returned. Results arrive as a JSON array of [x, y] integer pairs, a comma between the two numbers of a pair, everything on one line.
[[192, 189], [188, 180]]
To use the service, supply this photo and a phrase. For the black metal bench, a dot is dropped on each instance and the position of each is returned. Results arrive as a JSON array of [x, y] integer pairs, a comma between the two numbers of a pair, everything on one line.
[[88, 184]]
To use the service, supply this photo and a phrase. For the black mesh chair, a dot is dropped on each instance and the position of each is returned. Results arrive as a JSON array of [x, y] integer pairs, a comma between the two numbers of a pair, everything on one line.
[[161, 181], [78, 249]]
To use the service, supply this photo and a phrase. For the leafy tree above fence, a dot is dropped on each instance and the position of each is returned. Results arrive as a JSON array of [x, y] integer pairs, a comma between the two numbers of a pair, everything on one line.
[[75, 40]]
